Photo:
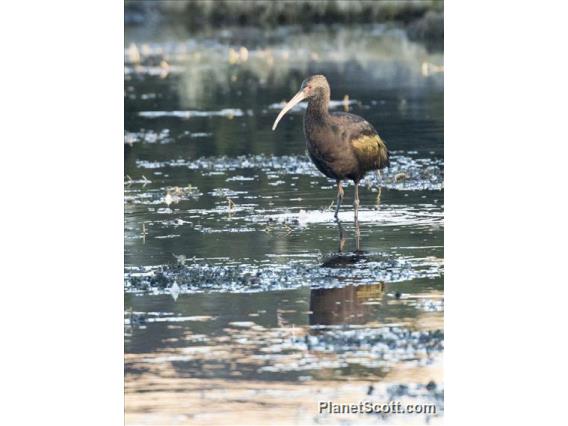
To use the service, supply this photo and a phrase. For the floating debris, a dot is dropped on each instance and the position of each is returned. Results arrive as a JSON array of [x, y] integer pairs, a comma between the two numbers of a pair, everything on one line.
[[144, 232], [181, 258], [405, 173], [176, 194], [232, 204], [399, 177], [143, 180]]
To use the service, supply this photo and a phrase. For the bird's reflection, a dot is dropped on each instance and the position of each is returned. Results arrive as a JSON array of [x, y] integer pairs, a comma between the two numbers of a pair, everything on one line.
[[342, 240], [350, 304], [347, 305]]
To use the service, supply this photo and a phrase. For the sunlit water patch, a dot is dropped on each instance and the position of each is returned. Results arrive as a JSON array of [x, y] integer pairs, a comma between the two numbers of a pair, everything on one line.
[[286, 351], [149, 136], [389, 215], [227, 112]]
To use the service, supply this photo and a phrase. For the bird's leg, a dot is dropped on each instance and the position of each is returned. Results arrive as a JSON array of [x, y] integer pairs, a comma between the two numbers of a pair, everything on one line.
[[340, 193], [356, 207]]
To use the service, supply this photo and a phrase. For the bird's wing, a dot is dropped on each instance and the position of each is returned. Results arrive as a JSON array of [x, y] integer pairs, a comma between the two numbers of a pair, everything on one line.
[[370, 149]]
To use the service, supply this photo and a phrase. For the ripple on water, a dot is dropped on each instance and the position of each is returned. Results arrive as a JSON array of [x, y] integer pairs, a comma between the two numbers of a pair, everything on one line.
[[226, 112], [391, 215]]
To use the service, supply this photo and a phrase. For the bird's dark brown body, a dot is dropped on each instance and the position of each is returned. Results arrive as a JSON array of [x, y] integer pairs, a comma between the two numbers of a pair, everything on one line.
[[341, 145]]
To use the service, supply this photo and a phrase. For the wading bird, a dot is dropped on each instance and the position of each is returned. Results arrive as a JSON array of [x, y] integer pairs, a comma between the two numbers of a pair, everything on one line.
[[341, 145]]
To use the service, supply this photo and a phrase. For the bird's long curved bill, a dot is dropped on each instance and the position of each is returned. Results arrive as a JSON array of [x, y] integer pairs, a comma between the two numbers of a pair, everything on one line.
[[299, 97]]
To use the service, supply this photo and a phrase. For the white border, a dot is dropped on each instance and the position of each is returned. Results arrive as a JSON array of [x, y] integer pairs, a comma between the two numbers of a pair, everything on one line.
[[62, 224], [62, 203]]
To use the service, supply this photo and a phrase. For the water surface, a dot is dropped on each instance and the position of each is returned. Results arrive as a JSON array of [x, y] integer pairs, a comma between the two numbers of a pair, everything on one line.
[[234, 267]]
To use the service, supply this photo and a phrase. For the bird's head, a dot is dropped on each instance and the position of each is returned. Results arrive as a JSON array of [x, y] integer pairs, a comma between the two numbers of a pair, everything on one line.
[[315, 86]]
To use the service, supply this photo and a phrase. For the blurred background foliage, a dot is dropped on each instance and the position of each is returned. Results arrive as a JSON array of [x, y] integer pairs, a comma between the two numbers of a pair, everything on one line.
[[423, 19]]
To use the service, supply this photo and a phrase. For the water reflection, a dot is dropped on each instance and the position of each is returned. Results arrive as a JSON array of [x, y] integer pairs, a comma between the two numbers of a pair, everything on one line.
[[352, 304]]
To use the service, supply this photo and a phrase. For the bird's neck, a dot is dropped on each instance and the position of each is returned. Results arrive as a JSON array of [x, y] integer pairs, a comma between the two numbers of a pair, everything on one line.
[[318, 107]]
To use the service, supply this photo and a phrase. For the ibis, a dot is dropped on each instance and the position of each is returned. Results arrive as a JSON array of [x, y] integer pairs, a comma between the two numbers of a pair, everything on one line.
[[341, 145]]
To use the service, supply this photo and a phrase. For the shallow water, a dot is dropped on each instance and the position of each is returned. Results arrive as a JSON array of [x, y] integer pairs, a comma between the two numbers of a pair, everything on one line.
[[233, 267]]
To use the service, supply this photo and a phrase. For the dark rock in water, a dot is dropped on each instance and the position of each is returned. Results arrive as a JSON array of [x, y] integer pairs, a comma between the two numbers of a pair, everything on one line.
[[342, 260], [431, 385], [136, 282], [398, 391], [137, 319], [159, 280]]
